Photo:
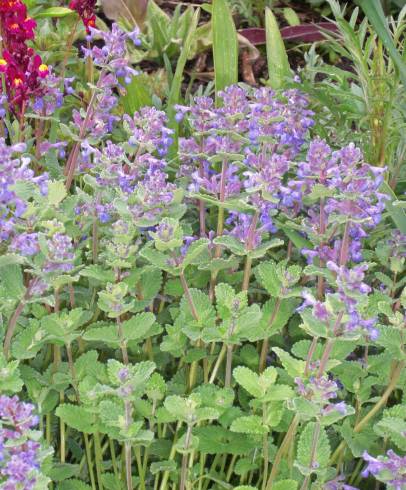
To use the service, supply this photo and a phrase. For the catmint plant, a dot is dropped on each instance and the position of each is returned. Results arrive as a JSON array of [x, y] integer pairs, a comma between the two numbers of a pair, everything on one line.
[[203, 296]]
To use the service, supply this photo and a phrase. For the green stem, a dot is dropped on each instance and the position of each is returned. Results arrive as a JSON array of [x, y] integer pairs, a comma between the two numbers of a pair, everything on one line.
[[185, 457], [219, 360], [172, 454], [141, 473], [281, 451], [265, 448], [98, 459]]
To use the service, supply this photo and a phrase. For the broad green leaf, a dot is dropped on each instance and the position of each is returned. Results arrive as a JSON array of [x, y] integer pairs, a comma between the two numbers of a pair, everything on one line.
[[181, 408], [219, 440], [28, 342], [204, 309], [278, 63], [11, 278], [56, 192], [225, 47], [166, 465], [294, 367], [73, 484], [138, 326], [10, 380], [11, 259], [96, 272], [304, 448], [234, 245], [266, 272], [63, 471], [285, 485], [194, 252], [248, 380], [76, 417], [251, 424]]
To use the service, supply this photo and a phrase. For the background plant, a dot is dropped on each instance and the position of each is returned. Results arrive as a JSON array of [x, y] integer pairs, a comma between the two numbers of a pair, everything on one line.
[[205, 297]]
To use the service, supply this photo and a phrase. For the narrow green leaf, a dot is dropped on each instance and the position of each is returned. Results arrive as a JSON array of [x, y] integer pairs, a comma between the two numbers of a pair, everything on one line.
[[225, 47], [397, 214], [54, 12], [373, 10], [176, 85], [278, 63], [174, 93]]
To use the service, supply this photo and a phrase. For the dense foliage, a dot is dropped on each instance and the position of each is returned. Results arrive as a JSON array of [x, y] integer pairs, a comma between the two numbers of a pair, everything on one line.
[[209, 296]]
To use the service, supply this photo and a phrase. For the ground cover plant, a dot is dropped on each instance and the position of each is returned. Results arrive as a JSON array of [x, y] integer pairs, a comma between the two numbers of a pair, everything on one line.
[[203, 287]]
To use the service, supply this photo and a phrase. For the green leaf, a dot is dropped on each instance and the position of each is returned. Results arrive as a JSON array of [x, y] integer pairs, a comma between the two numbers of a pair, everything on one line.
[[56, 192], [76, 417], [96, 272], [251, 424], [294, 367], [248, 380], [195, 250], [397, 214], [234, 245], [138, 326], [179, 407], [266, 272], [10, 380], [376, 16], [291, 16], [204, 309], [12, 280], [53, 12], [28, 342], [137, 95], [278, 63], [225, 47], [285, 485], [219, 440], [174, 93], [63, 471], [73, 484], [11, 259], [304, 448], [168, 465], [158, 22]]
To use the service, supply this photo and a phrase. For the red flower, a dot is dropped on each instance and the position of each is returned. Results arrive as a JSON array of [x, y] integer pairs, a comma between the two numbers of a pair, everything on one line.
[[22, 67], [86, 11]]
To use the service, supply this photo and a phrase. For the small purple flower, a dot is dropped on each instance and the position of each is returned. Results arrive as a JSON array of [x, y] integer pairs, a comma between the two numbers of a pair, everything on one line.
[[26, 244], [60, 254], [19, 455], [391, 469]]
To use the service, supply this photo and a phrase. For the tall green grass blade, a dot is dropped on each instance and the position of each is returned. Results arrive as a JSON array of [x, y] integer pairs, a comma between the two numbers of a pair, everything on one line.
[[174, 94], [278, 63], [373, 10], [397, 214], [225, 46], [175, 90]]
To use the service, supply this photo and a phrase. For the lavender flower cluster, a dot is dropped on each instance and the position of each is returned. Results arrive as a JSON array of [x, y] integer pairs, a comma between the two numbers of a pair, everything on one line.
[[19, 452], [15, 175], [266, 130]]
